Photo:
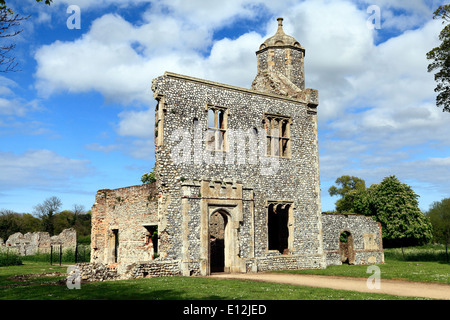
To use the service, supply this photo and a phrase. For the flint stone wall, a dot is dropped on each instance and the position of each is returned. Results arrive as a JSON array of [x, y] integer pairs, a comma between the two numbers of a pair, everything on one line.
[[294, 180], [366, 235], [91, 272]]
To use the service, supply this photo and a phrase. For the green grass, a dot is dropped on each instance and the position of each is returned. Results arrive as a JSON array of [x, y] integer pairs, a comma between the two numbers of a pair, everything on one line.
[[67, 256], [423, 264], [197, 288], [9, 258], [163, 288], [401, 270], [424, 253]]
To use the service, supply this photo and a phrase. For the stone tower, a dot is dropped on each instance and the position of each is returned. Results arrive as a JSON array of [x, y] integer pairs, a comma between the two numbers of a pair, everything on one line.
[[280, 65]]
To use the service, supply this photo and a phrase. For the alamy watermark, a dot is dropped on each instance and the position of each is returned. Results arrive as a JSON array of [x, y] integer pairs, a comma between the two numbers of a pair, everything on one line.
[[74, 20], [374, 281], [73, 280], [374, 21], [236, 147]]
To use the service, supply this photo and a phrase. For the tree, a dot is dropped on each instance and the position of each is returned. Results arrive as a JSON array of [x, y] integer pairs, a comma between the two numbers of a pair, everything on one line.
[[439, 215], [8, 23], [12, 222], [149, 177], [4, 6], [395, 206], [46, 212], [441, 60], [350, 188]]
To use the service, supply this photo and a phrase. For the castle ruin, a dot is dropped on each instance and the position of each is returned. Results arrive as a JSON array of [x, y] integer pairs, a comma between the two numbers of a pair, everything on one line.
[[237, 182]]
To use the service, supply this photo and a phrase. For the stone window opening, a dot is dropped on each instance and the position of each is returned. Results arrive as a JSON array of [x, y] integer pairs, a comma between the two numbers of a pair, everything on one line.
[[151, 239], [278, 136], [217, 128], [278, 227], [114, 246]]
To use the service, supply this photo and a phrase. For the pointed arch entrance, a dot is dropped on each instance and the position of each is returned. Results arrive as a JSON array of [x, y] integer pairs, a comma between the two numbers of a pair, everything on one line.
[[218, 222], [220, 243]]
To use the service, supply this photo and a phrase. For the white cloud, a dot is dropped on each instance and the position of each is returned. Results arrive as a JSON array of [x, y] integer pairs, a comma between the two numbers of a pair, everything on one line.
[[137, 123], [39, 168], [376, 101]]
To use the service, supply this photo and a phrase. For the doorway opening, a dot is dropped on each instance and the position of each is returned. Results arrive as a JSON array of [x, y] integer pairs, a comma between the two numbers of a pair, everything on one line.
[[217, 224], [151, 239], [278, 231], [346, 248]]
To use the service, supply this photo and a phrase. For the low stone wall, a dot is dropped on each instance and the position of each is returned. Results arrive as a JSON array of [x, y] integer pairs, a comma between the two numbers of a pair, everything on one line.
[[91, 272], [153, 269], [285, 262], [100, 272], [41, 242]]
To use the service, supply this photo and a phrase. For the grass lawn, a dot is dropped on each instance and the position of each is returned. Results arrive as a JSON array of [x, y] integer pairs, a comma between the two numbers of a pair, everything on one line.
[[417, 267], [423, 264], [164, 288], [422, 271]]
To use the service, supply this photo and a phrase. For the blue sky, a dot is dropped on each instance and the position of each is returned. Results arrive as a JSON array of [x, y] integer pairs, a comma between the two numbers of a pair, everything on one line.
[[78, 117]]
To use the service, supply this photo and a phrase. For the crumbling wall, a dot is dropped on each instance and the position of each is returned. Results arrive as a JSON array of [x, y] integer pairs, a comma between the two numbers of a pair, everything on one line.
[[120, 225], [41, 242], [365, 235]]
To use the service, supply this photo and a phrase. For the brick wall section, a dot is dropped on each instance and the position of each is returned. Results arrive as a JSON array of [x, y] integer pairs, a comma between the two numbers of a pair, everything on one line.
[[127, 210]]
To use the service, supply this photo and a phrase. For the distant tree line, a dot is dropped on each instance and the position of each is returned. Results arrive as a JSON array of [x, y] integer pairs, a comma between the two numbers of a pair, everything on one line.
[[395, 205], [47, 217]]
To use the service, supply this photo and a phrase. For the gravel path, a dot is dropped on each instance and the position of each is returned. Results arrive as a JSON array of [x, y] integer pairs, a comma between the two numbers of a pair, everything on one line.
[[394, 287]]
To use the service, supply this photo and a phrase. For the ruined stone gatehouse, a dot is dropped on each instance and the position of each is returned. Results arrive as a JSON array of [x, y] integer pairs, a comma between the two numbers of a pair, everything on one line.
[[237, 178]]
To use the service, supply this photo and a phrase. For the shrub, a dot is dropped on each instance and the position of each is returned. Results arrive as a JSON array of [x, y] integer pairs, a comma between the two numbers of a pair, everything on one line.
[[423, 253], [9, 258]]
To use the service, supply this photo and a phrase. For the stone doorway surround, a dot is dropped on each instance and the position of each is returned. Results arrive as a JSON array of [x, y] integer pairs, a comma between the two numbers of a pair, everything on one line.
[[228, 202]]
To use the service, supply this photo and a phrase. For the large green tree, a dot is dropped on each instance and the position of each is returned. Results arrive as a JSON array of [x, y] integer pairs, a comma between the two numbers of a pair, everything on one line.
[[348, 188], [12, 222], [439, 215], [395, 206], [440, 57]]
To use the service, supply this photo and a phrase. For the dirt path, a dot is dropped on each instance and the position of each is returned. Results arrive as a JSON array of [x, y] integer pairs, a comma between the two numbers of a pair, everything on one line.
[[395, 287]]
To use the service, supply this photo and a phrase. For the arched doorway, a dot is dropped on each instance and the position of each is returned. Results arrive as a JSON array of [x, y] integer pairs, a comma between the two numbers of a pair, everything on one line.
[[346, 250], [217, 224], [220, 222]]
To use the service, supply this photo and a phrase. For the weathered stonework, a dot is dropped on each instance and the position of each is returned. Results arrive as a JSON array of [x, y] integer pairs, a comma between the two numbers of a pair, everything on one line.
[[133, 212], [41, 242], [237, 179], [365, 241]]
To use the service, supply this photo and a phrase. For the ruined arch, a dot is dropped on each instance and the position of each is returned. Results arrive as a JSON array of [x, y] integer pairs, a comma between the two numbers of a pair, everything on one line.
[[346, 247]]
